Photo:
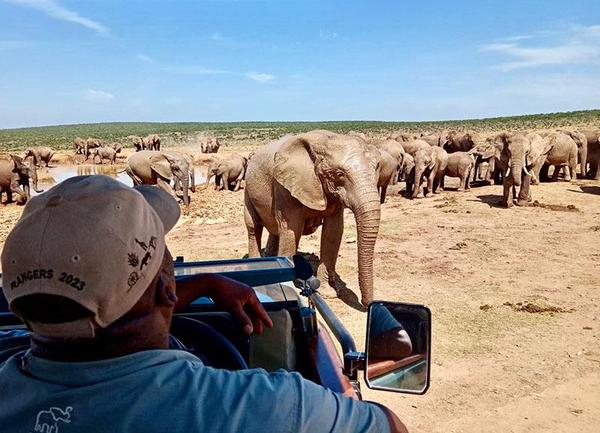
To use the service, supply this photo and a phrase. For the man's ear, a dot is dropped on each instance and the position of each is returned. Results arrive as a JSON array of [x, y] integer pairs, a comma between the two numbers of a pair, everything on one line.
[[166, 289]]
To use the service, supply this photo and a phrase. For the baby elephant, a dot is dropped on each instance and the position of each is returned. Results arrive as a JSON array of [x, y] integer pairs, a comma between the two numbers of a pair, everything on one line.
[[41, 155], [460, 164], [104, 153]]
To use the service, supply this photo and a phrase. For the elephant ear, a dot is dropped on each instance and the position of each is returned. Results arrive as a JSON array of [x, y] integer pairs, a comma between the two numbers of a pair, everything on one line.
[[539, 147], [160, 164], [294, 169], [18, 161], [500, 141]]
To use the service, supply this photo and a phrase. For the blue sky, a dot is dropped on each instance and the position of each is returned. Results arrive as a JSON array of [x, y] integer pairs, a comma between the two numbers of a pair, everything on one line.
[[225, 60]]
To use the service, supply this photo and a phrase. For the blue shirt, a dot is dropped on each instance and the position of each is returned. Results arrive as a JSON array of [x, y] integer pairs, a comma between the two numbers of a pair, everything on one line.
[[169, 391]]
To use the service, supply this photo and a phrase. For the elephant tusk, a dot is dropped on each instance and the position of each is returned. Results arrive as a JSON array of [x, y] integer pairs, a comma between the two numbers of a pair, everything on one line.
[[507, 172], [527, 173]]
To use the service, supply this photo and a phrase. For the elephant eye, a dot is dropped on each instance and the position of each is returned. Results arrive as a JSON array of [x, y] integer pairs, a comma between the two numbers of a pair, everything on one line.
[[339, 174]]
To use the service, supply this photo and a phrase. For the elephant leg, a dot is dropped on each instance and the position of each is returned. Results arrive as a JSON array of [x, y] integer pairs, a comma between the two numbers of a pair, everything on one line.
[[557, 169], [461, 178], [272, 245], [467, 178], [291, 226], [428, 192], [16, 188], [331, 239], [582, 162], [572, 168], [524, 197], [507, 197], [382, 194], [595, 171], [254, 228], [436, 184]]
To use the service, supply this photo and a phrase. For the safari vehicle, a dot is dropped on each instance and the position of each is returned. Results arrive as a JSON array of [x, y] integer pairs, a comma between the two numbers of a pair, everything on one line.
[[302, 336]]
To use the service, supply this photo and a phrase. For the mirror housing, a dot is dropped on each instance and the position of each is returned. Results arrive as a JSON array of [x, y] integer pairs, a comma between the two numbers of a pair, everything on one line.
[[398, 347]]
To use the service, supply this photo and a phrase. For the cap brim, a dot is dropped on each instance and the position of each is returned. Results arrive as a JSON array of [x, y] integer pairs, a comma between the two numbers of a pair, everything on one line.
[[163, 204]]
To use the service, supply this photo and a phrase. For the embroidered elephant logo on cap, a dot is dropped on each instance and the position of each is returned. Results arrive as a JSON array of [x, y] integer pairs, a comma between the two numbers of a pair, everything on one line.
[[47, 420]]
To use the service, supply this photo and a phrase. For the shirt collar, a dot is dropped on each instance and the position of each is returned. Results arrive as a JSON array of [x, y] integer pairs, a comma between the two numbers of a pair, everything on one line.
[[89, 373]]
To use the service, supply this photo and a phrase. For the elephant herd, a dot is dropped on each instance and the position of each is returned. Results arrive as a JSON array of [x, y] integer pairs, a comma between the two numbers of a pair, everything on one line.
[[301, 182], [515, 160], [298, 183]]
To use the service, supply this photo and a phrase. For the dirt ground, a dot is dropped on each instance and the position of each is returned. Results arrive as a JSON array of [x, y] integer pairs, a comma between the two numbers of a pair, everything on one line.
[[514, 295]]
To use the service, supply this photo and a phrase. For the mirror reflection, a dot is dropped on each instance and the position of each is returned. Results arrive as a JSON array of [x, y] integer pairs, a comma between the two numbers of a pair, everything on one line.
[[398, 347]]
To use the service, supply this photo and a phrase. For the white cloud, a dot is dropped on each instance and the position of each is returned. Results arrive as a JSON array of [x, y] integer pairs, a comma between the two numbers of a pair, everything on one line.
[[94, 95], [54, 10], [144, 58], [260, 77], [577, 45]]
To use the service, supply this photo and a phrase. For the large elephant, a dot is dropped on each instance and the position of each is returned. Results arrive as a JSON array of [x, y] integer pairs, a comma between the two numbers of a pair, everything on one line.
[[189, 159], [433, 139], [138, 143], [152, 142], [424, 163], [298, 183], [519, 154], [386, 170], [563, 153], [581, 141], [91, 143], [460, 164], [229, 172], [79, 145], [538, 142], [104, 153], [117, 146], [15, 174], [394, 148], [453, 141], [209, 144], [593, 155], [41, 155], [159, 168]]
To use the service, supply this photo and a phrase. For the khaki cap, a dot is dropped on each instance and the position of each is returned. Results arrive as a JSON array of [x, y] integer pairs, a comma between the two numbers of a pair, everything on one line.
[[90, 239]]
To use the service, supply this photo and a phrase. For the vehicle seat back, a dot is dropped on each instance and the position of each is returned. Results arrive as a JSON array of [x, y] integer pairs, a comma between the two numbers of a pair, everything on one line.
[[275, 348]]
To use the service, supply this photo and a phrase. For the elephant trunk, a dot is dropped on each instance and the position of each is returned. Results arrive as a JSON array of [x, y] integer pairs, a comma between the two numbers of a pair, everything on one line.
[[192, 179], [516, 168], [367, 213], [34, 180], [185, 184]]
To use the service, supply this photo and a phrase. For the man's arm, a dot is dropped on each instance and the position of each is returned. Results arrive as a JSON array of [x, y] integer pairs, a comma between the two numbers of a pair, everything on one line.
[[396, 426], [237, 298]]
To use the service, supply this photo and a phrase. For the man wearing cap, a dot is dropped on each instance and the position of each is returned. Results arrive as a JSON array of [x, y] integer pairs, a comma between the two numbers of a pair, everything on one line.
[[87, 269]]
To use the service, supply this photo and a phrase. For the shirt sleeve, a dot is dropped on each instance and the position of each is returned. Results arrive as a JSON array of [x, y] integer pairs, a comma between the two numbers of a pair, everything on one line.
[[320, 410]]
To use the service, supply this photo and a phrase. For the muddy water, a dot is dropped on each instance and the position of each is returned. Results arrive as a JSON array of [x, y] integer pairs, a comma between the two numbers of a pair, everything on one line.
[[47, 177]]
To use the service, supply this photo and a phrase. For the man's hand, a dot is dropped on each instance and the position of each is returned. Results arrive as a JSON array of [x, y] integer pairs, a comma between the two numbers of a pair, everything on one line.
[[241, 301], [235, 297]]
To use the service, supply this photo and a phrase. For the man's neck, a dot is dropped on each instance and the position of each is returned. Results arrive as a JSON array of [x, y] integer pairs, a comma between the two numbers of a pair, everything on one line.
[[144, 333]]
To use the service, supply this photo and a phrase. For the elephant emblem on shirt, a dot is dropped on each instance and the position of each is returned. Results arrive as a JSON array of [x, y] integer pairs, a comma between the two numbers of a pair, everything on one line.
[[47, 420]]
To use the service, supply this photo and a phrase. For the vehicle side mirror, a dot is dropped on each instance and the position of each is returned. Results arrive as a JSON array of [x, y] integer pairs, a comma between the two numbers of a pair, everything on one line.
[[398, 348]]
